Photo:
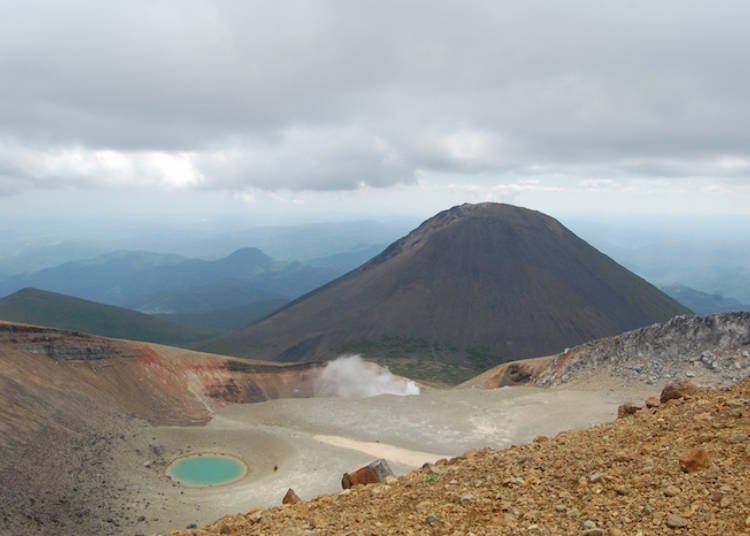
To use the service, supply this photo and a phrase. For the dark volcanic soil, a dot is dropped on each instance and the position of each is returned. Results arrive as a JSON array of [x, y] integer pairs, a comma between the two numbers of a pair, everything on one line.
[[66, 483]]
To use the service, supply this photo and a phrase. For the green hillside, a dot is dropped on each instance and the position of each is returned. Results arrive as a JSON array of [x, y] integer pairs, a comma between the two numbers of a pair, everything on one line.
[[230, 318], [44, 308]]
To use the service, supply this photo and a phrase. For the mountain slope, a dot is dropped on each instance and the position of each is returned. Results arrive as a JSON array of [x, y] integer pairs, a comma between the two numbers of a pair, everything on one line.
[[476, 284], [35, 306]]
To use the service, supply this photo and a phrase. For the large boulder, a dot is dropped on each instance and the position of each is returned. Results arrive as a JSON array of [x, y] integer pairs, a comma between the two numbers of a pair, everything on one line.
[[371, 473], [677, 389]]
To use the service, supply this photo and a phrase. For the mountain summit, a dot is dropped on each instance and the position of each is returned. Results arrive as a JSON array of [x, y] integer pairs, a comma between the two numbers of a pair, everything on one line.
[[475, 284]]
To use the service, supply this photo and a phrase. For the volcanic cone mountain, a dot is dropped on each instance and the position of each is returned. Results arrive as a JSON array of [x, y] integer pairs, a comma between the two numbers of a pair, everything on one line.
[[474, 285]]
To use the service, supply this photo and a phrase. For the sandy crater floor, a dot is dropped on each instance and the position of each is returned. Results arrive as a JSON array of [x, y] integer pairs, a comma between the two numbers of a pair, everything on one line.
[[307, 444]]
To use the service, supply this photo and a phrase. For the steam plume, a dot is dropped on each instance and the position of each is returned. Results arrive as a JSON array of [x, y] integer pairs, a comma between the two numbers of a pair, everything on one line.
[[349, 376]]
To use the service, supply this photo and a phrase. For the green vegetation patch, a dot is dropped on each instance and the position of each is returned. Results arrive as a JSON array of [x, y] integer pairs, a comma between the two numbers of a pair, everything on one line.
[[428, 370], [483, 358], [389, 346]]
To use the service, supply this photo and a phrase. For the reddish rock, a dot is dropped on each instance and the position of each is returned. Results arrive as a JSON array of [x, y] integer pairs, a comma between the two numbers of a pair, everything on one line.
[[652, 402], [677, 389], [627, 409], [290, 497], [369, 474], [694, 460]]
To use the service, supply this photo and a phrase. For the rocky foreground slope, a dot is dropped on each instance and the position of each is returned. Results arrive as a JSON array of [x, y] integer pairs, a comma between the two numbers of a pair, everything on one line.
[[682, 467]]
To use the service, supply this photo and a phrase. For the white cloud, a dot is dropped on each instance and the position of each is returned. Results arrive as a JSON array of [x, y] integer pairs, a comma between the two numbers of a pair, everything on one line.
[[597, 185], [321, 96]]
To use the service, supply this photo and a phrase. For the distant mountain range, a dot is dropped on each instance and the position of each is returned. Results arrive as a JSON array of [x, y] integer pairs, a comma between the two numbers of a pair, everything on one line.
[[474, 286], [33, 306], [170, 284], [702, 302]]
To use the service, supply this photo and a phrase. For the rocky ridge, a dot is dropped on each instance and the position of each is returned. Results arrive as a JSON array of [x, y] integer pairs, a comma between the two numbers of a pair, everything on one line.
[[713, 349], [678, 467]]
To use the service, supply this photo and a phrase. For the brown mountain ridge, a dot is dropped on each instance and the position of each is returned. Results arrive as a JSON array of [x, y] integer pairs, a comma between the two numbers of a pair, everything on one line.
[[475, 285]]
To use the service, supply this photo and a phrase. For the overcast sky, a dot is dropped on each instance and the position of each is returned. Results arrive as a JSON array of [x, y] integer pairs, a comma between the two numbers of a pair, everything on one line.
[[313, 107]]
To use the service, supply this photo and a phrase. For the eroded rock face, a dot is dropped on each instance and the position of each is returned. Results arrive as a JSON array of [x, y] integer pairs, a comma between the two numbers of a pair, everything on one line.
[[238, 383], [714, 346], [372, 473], [62, 345]]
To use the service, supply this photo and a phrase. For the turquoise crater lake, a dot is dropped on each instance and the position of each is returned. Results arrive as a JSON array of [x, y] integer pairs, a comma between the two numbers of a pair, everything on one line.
[[206, 470]]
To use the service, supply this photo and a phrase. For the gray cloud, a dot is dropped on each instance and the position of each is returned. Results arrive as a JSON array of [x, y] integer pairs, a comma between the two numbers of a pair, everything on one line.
[[334, 95]]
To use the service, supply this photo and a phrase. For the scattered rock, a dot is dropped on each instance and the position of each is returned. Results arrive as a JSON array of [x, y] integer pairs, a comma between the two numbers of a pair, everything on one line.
[[318, 521], [466, 499], [627, 409], [677, 389], [432, 520], [423, 507], [676, 522], [432, 469], [671, 491], [371, 473], [652, 402], [290, 497], [622, 456], [694, 460]]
